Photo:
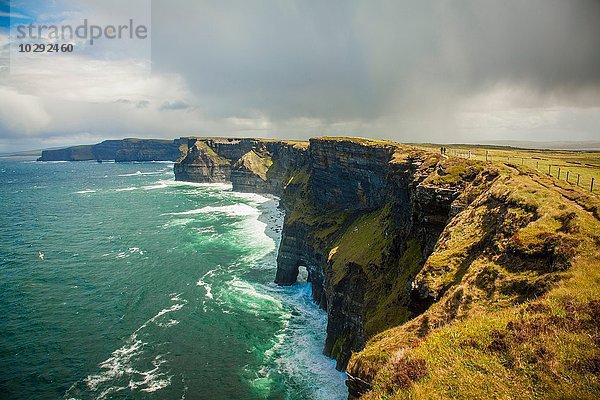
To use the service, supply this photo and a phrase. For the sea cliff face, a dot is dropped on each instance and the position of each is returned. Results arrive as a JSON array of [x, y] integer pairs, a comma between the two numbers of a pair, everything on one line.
[[251, 165], [402, 246], [118, 150], [361, 220], [355, 216]]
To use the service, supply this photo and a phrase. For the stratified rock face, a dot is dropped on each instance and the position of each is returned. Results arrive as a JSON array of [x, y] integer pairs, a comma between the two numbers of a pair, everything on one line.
[[348, 175], [147, 150], [252, 165], [250, 172], [118, 150], [75, 153], [356, 220], [201, 164]]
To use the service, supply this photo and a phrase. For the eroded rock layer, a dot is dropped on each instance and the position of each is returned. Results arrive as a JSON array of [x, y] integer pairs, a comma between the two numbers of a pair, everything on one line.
[[251, 165]]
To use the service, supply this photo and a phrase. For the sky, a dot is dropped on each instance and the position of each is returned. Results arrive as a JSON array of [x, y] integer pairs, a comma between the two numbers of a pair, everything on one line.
[[467, 71]]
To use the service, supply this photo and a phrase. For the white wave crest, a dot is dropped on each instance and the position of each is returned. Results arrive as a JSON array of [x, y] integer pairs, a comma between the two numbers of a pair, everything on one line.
[[121, 362], [139, 173], [233, 210], [207, 287], [215, 185], [254, 197]]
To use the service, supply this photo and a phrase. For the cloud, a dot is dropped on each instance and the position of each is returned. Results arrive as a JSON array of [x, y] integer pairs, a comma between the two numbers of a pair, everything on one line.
[[138, 104], [403, 70], [176, 105], [13, 15], [21, 115], [396, 65]]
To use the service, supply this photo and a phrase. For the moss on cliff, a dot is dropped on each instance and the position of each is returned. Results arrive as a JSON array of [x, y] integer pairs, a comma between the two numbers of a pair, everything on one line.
[[299, 177], [384, 306], [515, 279], [324, 225], [453, 171], [358, 140], [256, 163], [202, 148], [363, 243]]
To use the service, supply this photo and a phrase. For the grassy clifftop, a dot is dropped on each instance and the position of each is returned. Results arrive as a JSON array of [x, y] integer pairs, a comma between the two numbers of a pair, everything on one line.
[[468, 279], [514, 280]]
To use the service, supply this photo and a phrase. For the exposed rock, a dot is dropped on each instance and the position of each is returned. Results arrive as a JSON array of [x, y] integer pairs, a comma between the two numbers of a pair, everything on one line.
[[346, 174], [252, 165], [202, 164], [144, 150], [250, 172]]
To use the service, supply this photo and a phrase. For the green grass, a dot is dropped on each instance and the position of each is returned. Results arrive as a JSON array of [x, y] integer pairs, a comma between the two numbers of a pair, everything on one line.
[[454, 171], [581, 166], [363, 243], [385, 307], [516, 279], [358, 140], [528, 352], [256, 163], [206, 149]]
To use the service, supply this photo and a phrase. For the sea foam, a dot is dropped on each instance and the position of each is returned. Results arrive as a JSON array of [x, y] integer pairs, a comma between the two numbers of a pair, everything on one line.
[[232, 210], [139, 173], [122, 361]]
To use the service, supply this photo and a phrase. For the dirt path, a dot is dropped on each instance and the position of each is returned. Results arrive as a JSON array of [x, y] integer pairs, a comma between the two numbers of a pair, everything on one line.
[[570, 195]]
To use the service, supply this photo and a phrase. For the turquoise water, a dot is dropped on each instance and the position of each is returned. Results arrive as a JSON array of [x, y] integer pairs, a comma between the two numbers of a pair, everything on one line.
[[149, 288]]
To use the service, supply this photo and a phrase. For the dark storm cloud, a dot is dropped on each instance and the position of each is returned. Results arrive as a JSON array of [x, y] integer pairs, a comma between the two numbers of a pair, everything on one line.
[[364, 59], [431, 70]]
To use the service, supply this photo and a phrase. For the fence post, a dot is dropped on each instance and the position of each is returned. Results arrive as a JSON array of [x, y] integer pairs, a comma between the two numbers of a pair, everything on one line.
[[537, 165], [549, 169], [592, 185], [558, 175], [578, 176], [567, 176]]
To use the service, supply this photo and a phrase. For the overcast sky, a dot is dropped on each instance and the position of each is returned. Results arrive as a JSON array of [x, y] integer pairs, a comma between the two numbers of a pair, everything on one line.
[[436, 71]]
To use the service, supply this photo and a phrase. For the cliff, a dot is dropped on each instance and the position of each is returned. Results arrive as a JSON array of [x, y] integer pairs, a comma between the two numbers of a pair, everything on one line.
[[251, 165], [440, 277], [118, 150]]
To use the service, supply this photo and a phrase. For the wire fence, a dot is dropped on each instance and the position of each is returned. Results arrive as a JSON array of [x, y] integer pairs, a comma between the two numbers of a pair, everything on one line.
[[576, 173]]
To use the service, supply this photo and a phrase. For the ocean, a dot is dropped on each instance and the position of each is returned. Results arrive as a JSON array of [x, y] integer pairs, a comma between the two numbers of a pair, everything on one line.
[[149, 289]]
